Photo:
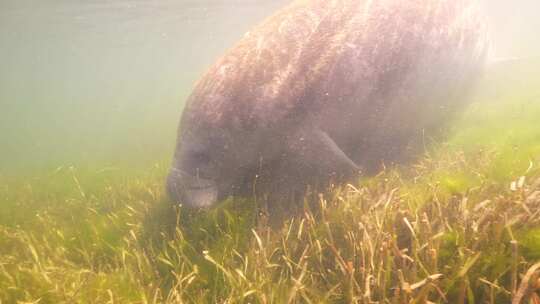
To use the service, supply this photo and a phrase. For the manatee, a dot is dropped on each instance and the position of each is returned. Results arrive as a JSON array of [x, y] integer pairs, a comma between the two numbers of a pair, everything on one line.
[[322, 92]]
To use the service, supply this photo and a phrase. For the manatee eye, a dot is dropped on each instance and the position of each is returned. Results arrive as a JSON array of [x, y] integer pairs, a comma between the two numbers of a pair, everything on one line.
[[200, 157]]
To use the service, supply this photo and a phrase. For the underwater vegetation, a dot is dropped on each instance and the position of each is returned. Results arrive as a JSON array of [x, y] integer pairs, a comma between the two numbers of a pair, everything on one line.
[[459, 225]]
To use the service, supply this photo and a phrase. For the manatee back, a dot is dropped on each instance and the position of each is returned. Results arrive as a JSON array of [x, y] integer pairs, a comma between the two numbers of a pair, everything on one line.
[[315, 55]]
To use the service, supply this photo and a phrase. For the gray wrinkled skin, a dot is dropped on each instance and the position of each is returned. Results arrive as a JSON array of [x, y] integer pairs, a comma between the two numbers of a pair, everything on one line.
[[323, 91]]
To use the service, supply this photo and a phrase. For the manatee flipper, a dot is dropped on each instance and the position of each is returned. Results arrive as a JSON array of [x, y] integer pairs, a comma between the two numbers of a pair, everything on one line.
[[310, 162], [313, 151]]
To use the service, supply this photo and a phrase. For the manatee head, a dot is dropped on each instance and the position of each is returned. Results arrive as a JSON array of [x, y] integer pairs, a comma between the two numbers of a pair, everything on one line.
[[196, 175], [210, 162]]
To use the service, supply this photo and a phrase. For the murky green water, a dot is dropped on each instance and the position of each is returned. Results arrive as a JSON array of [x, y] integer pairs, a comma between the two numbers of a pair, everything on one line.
[[90, 97], [104, 82]]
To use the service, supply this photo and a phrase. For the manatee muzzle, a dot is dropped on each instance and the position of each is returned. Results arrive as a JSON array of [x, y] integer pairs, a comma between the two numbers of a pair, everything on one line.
[[191, 190]]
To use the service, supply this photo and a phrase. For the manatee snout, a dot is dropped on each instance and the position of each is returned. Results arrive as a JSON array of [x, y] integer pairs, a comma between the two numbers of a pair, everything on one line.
[[191, 190]]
